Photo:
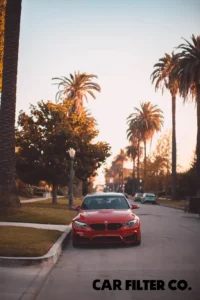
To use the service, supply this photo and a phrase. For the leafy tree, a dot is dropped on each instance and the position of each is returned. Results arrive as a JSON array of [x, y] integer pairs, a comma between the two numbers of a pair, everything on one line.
[[159, 164], [75, 88], [164, 77], [8, 197], [188, 72], [45, 135]]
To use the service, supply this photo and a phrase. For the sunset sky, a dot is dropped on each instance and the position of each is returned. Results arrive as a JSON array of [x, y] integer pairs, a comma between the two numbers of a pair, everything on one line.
[[119, 41]]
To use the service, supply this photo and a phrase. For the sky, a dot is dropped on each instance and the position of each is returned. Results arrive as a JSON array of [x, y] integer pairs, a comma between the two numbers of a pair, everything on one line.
[[117, 40]]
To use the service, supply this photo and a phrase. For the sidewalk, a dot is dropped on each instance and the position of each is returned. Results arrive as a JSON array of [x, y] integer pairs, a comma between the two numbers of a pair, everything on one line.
[[34, 225], [38, 199]]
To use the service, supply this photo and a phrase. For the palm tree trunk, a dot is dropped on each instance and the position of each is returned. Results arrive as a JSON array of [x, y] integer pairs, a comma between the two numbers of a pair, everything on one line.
[[150, 146], [54, 196], [138, 166], [173, 147], [8, 197], [145, 161], [133, 178], [198, 140], [77, 106]]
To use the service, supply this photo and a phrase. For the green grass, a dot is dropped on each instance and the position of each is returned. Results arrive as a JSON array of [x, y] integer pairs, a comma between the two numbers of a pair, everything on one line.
[[62, 203], [43, 212], [172, 203], [27, 242]]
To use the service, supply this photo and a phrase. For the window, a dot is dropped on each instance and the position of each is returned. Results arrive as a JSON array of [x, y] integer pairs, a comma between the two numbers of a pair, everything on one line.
[[98, 202]]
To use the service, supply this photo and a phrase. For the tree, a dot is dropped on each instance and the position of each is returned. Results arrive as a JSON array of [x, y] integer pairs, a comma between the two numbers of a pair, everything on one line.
[[134, 137], [159, 164], [132, 152], [2, 27], [148, 119], [43, 139], [119, 160], [76, 88], [188, 72], [164, 77], [8, 197]]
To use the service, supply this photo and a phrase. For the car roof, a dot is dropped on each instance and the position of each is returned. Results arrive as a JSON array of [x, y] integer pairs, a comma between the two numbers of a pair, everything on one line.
[[149, 193], [105, 194]]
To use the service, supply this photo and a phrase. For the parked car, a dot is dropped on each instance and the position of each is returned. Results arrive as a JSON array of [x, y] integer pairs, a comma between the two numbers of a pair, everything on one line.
[[106, 218], [149, 197], [138, 197]]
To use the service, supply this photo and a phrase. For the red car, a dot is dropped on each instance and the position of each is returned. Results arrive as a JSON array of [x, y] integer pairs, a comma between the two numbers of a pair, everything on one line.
[[105, 218]]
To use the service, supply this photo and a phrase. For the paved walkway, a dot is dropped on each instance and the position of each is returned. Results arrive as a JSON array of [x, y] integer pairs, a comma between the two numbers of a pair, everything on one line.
[[38, 199], [34, 225]]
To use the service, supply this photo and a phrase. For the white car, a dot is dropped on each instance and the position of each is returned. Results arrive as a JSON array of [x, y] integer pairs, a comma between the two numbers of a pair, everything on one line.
[[148, 197]]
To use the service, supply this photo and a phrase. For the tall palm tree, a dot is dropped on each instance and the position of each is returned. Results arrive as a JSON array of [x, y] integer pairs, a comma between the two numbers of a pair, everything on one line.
[[8, 104], [164, 77], [188, 72], [148, 119], [132, 152], [134, 136], [119, 160], [76, 88]]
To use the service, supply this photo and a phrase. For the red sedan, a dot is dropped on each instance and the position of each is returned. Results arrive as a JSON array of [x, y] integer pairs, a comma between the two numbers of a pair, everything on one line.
[[106, 218]]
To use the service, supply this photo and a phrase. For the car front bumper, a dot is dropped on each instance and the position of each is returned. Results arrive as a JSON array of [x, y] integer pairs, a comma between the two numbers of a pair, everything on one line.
[[121, 236]]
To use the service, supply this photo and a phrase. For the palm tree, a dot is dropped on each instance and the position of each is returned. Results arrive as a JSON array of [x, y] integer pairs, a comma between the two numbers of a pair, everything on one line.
[[132, 152], [134, 136], [188, 72], [8, 105], [119, 161], [164, 77], [76, 88], [148, 119]]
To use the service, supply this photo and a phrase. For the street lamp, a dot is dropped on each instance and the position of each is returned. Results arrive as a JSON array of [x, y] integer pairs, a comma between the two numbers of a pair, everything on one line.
[[71, 197]]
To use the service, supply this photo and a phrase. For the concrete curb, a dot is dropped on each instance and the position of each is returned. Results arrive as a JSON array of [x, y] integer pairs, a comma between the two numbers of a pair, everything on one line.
[[46, 260], [171, 206]]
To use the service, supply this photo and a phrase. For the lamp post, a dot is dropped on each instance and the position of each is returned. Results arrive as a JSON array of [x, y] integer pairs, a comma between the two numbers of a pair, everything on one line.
[[71, 197]]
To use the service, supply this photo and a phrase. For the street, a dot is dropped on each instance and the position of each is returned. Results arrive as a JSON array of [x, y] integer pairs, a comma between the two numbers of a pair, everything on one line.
[[170, 250]]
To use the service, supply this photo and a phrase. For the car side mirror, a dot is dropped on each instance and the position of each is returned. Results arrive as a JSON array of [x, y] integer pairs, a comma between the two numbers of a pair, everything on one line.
[[135, 206], [76, 207]]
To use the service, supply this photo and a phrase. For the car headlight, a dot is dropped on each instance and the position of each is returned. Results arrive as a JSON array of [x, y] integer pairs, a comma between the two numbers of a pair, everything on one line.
[[131, 223], [80, 224]]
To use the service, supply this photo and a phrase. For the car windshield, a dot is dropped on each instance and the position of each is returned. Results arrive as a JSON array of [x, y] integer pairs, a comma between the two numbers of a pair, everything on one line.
[[98, 202], [151, 195]]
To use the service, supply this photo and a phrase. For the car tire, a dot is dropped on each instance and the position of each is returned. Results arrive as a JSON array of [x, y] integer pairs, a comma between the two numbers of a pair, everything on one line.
[[75, 245], [138, 243]]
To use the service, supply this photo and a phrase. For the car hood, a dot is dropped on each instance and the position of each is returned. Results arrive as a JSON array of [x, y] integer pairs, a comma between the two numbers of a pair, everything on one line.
[[99, 216]]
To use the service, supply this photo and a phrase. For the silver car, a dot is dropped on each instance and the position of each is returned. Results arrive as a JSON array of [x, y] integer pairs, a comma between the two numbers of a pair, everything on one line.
[[148, 197], [138, 197]]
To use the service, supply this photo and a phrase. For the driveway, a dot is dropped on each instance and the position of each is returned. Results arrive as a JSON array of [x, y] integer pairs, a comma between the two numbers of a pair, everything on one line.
[[169, 251]]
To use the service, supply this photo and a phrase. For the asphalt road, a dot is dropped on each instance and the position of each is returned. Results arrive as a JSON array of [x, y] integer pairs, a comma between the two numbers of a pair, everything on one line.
[[169, 251]]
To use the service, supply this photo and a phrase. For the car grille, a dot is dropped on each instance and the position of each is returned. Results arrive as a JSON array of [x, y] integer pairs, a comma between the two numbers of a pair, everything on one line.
[[108, 239], [111, 226], [114, 226], [98, 226]]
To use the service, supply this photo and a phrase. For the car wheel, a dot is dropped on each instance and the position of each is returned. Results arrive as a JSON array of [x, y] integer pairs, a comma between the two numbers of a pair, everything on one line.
[[138, 243], [75, 244]]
